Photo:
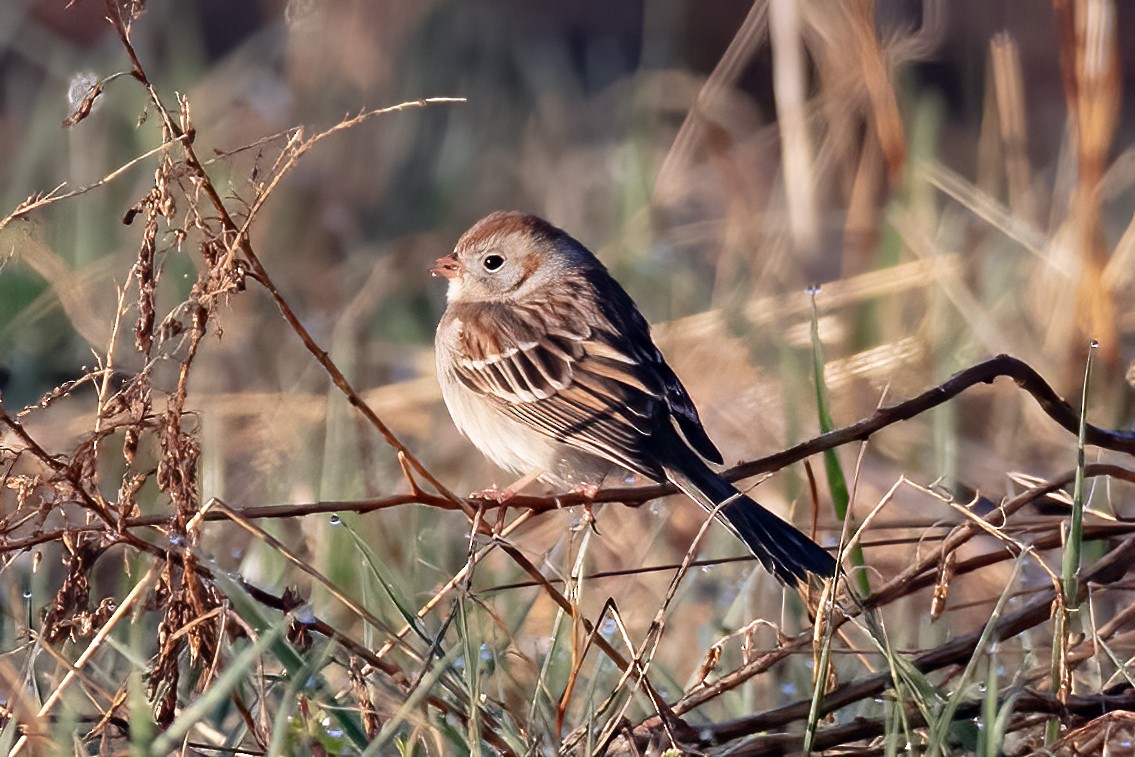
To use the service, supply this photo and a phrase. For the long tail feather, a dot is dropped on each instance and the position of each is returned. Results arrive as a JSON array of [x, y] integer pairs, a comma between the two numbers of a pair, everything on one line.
[[782, 549]]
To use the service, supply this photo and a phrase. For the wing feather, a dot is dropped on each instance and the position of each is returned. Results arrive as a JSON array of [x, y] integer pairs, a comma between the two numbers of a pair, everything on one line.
[[579, 376]]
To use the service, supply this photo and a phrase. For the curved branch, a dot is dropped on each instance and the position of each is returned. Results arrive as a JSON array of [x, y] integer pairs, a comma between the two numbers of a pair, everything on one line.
[[982, 373], [1002, 365]]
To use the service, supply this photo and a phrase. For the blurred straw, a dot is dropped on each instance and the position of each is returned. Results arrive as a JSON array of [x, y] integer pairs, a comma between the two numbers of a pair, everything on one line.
[[861, 227], [988, 159], [692, 132], [885, 117], [790, 88], [1090, 63], [1008, 89], [863, 131], [1120, 271]]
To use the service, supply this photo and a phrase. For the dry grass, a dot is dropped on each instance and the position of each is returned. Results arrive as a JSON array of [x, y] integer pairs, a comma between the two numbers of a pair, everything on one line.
[[230, 524]]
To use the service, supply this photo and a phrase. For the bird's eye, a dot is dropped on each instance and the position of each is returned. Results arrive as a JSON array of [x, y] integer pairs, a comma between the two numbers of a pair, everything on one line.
[[492, 262]]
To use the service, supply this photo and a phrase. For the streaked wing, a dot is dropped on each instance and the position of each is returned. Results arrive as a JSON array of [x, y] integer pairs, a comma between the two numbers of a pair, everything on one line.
[[564, 372], [619, 310]]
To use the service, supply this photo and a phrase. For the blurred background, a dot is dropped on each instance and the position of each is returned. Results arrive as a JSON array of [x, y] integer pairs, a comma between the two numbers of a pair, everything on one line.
[[956, 177]]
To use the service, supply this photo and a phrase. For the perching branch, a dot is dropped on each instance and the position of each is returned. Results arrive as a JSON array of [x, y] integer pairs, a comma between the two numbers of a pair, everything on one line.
[[982, 373]]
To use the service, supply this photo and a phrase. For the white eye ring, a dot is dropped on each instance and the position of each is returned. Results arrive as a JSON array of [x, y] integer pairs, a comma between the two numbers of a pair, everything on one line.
[[492, 262]]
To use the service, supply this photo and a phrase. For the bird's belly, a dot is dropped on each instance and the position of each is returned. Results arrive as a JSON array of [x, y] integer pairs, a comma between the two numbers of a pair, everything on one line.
[[513, 445]]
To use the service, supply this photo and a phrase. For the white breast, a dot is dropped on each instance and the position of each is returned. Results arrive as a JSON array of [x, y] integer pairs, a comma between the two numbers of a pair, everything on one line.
[[504, 440]]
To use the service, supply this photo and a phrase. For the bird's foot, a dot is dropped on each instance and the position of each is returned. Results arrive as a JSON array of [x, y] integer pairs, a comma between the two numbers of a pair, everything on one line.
[[588, 491], [502, 496], [494, 494]]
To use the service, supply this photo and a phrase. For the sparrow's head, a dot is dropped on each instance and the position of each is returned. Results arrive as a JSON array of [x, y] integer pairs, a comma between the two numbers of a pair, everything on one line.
[[508, 255]]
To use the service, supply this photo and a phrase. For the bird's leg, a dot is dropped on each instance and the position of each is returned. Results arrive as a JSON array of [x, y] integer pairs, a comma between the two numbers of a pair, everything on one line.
[[588, 491], [501, 496]]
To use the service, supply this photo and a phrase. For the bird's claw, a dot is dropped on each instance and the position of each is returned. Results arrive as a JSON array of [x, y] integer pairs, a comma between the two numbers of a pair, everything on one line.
[[588, 491], [494, 494]]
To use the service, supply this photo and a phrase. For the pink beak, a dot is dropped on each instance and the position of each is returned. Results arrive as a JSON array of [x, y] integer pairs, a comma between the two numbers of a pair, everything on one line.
[[449, 267]]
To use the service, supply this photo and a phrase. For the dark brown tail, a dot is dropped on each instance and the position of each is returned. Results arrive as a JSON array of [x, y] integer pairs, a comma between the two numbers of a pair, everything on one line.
[[782, 549]]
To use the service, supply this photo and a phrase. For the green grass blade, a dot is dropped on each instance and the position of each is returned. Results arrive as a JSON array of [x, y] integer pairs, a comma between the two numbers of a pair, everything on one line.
[[911, 685], [1066, 622], [472, 670], [1072, 549], [286, 654], [818, 690], [296, 683], [1001, 724], [8, 735], [139, 713], [837, 481], [390, 727], [989, 743], [379, 572], [945, 718]]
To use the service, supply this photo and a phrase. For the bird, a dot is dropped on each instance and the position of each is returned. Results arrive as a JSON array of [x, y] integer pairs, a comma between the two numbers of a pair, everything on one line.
[[547, 366]]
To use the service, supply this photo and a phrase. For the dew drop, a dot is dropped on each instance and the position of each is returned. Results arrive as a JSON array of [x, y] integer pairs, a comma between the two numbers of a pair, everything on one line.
[[812, 290], [27, 595], [334, 520], [1094, 344]]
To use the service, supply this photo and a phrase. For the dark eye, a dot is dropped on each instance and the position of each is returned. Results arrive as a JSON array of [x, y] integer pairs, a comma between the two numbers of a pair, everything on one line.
[[492, 262]]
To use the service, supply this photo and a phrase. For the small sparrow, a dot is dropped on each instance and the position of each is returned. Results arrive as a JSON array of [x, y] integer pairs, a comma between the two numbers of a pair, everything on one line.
[[548, 367]]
